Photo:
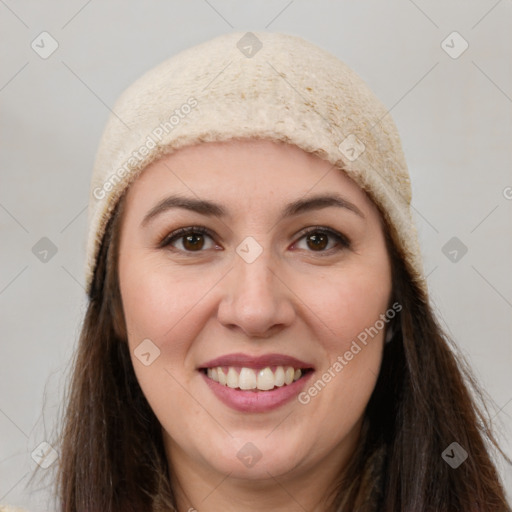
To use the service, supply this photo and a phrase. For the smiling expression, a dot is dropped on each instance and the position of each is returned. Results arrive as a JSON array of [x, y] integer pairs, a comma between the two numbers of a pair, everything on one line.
[[284, 265]]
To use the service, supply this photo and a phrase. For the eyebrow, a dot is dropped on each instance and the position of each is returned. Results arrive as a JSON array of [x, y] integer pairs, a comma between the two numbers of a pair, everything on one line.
[[212, 209]]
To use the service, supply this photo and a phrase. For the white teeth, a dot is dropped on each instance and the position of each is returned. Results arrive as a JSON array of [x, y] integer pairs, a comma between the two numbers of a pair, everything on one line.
[[265, 379], [288, 377], [248, 378], [279, 377], [221, 376], [232, 378]]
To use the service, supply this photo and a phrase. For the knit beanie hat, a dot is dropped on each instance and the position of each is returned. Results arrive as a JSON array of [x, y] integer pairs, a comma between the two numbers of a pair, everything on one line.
[[256, 84]]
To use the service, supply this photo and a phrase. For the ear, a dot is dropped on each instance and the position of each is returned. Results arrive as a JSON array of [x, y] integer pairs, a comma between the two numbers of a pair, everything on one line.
[[393, 327], [118, 320], [390, 332]]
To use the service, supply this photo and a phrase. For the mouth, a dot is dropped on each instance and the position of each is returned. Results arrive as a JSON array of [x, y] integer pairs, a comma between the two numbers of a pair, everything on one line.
[[252, 379], [264, 373]]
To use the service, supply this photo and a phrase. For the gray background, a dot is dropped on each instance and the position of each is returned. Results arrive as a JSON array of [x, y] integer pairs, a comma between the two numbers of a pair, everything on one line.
[[454, 116]]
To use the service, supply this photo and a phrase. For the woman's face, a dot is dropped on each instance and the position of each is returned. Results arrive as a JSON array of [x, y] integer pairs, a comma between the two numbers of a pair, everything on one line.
[[266, 287]]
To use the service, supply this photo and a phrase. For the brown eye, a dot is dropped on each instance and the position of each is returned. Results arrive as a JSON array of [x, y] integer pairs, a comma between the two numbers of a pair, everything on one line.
[[192, 239], [317, 240]]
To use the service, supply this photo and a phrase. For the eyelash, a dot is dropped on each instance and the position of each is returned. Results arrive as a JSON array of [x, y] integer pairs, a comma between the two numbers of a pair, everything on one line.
[[182, 232]]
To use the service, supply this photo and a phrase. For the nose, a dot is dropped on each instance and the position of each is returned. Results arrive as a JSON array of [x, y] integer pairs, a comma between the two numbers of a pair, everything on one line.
[[256, 298]]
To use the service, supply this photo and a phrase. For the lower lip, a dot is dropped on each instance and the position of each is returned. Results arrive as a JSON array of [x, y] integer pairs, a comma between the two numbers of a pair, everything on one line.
[[256, 401]]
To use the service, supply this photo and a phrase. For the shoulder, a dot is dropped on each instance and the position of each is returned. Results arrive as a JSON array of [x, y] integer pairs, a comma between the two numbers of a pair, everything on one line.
[[8, 508]]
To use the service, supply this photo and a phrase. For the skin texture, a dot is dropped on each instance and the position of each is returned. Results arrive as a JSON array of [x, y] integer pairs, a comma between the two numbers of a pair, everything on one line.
[[197, 302]]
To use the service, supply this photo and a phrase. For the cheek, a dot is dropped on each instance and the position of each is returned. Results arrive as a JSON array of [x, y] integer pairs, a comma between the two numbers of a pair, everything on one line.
[[350, 302], [157, 302], [160, 306], [353, 348], [350, 305]]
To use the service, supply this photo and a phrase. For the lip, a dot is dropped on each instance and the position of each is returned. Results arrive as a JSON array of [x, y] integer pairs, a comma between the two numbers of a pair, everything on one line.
[[256, 401], [256, 362]]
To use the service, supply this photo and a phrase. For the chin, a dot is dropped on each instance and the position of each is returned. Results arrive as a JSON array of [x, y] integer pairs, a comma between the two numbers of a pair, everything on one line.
[[265, 468], [256, 456]]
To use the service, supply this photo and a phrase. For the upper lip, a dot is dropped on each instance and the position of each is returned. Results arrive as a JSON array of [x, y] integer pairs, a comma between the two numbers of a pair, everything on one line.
[[256, 362]]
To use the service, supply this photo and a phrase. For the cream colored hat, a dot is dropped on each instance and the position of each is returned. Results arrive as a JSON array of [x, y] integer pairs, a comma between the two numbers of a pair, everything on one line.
[[256, 84]]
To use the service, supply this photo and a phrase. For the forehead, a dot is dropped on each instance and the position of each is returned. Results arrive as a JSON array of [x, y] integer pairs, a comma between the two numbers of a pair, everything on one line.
[[252, 173]]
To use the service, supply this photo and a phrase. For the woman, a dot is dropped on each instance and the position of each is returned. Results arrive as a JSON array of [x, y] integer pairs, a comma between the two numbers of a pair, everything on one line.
[[259, 333]]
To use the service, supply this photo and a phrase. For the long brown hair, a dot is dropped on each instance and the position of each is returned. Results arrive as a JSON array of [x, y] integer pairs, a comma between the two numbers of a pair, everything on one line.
[[425, 398]]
